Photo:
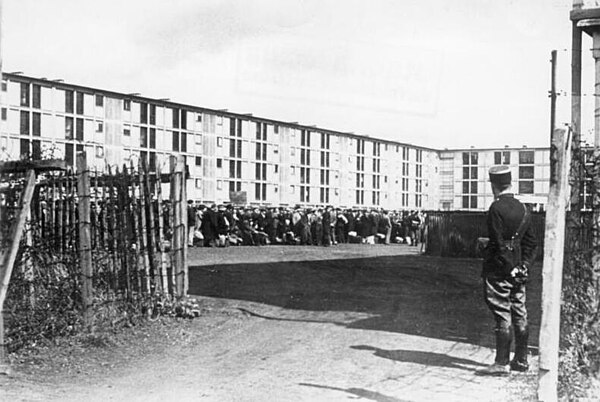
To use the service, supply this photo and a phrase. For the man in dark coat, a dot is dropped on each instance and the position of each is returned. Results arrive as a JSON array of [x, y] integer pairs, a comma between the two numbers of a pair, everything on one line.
[[327, 227], [209, 226], [508, 255]]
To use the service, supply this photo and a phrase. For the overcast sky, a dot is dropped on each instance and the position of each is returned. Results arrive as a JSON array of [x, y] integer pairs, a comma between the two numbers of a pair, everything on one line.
[[435, 73]]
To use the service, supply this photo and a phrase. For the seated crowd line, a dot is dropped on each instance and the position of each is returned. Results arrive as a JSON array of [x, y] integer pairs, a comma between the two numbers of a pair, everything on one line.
[[228, 225]]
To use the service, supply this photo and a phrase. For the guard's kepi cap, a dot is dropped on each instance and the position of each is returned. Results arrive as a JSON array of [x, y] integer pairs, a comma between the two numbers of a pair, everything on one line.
[[500, 174]]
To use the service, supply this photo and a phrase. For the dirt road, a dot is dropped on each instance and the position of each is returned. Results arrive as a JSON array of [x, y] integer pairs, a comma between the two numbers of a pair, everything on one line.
[[310, 324]]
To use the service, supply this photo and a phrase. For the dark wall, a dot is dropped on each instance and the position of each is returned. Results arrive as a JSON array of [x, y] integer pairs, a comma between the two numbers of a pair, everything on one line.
[[455, 233]]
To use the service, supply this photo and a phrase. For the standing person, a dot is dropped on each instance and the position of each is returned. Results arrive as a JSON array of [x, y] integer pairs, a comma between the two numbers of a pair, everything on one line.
[[191, 223], [508, 255], [385, 225], [327, 227]]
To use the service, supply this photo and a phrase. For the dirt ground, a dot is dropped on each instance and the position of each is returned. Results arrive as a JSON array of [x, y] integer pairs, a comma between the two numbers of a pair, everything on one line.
[[350, 322]]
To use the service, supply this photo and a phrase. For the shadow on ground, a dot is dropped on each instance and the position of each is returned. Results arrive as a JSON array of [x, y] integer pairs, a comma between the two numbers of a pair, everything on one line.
[[359, 392], [422, 357], [426, 296]]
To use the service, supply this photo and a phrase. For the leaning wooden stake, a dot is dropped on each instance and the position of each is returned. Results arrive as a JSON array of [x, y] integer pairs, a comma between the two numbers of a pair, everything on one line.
[[85, 239], [553, 265], [9, 254]]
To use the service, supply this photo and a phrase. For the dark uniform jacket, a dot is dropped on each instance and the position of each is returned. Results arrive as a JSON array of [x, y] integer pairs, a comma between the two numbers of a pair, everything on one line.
[[503, 219]]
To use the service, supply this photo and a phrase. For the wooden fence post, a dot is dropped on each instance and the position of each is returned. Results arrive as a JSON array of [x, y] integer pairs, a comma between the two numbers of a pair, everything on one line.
[[161, 232], [85, 240], [553, 265], [178, 203]]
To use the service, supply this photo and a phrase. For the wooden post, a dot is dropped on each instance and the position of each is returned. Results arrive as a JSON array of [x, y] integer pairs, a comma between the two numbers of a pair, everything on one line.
[[143, 235], [576, 166], [85, 240], [151, 232], [179, 204], [553, 94], [9, 254], [554, 241], [161, 233], [115, 269], [136, 231]]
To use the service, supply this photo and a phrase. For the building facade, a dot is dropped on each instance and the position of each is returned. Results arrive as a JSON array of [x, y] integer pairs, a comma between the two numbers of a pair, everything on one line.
[[256, 160]]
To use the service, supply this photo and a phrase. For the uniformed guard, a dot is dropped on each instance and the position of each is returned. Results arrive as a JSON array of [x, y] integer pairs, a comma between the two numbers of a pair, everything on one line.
[[509, 253]]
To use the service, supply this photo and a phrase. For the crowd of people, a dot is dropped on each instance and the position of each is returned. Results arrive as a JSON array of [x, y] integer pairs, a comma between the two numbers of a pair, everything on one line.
[[227, 225]]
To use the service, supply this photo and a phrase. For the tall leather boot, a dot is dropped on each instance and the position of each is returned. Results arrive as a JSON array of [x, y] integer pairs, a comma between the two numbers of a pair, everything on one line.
[[519, 363], [500, 367], [503, 341]]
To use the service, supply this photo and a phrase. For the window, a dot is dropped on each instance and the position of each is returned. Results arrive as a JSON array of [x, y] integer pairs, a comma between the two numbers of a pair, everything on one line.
[[183, 138], [526, 187], [126, 132], [69, 128], [99, 127], [143, 113], [502, 158], [99, 100], [144, 137], [152, 138], [24, 94], [69, 154], [198, 183], [24, 123], [219, 184], [199, 117], [4, 86], [153, 114], [526, 157], [184, 119], [219, 163], [175, 142], [126, 104], [69, 102], [276, 129], [198, 161], [99, 151], [198, 139], [525, 172], [79, 103], [175, 118], [36, 122], [79, 129], [37, 95], [219, 142], [4, 113], [36, 149]]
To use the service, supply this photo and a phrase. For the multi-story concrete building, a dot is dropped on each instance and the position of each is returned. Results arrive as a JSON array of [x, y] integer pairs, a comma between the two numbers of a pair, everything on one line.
[[464, 175], [270, 162]]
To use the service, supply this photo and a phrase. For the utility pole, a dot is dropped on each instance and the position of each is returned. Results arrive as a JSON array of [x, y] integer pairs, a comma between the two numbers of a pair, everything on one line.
[[553, 94]]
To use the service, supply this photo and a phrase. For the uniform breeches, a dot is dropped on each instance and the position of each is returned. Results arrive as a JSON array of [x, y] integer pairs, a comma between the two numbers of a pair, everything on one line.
[[506, 301]]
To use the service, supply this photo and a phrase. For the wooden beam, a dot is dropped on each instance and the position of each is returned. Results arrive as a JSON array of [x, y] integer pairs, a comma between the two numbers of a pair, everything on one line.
[[85, 239], [554, 241]]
